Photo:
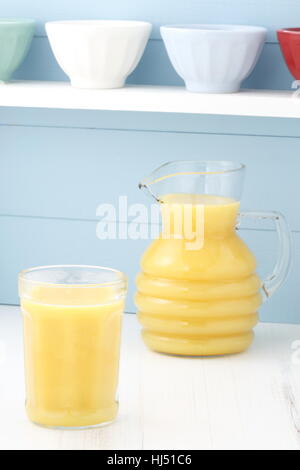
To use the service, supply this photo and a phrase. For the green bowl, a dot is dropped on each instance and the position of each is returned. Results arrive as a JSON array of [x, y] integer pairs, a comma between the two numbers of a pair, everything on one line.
[[15, 38]]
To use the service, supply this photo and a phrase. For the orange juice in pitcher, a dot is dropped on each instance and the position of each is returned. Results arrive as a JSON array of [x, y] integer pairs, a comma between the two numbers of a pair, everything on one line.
[[198, 291]]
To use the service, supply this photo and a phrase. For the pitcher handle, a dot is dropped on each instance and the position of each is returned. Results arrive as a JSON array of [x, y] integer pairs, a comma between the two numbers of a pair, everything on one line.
[[280, 272]]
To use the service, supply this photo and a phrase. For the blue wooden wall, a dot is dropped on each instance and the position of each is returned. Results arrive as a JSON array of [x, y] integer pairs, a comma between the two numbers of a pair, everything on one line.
[[56, 166]]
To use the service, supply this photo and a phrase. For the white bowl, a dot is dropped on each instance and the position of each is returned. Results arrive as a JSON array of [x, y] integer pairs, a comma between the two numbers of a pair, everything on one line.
[[98, 53], [213, 58]]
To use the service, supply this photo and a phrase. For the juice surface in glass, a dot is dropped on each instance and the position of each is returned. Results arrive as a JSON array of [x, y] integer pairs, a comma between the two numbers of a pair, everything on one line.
[[72, 344], [199, 301]]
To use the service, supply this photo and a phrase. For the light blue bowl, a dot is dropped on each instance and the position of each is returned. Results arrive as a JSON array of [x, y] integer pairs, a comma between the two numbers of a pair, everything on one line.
[[213, 58], [15, 39]]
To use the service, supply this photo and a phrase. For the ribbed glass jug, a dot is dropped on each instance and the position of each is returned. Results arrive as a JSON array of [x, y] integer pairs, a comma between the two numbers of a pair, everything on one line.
[[198, 291]]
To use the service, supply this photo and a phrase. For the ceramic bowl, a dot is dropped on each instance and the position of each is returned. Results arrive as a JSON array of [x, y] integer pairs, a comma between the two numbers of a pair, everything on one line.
[[15, 38], [289, 40], [98, 53], [213, 58]]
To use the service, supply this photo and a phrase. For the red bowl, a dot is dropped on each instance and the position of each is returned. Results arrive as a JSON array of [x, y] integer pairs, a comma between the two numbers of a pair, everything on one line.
[[289, 40]]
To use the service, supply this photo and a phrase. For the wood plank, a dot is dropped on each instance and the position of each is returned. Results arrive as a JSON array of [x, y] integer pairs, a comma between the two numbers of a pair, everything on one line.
[[148, 122], [73, 171], [270, 13], [30, 242]]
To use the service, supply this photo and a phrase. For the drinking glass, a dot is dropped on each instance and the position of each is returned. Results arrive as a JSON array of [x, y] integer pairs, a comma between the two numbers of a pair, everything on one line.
[[72, 325]]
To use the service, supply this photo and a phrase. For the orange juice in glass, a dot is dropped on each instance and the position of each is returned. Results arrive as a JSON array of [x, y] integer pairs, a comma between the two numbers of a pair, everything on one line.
[[72, 325]]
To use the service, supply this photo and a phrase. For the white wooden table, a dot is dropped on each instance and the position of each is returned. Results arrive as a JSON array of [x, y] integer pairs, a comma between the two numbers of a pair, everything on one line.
[[247, 401]]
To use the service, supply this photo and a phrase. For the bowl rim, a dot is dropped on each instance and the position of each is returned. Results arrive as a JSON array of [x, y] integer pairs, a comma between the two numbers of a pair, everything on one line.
[[293, 31], [99, 23], [215, 28], [14, 21]]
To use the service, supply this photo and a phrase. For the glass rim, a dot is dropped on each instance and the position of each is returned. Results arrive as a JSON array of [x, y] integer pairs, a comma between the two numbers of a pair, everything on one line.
[[118, 282], [153, 178]]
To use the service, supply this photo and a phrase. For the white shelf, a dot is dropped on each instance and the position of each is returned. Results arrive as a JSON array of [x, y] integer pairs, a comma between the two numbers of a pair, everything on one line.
[[161, 99]]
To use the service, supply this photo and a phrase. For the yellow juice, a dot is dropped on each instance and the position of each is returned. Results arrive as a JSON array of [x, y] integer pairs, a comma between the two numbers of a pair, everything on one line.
[[202, 301], [72, 342]]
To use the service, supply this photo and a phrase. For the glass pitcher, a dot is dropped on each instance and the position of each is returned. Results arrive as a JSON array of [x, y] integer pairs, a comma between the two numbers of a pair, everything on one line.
[[198, 291]]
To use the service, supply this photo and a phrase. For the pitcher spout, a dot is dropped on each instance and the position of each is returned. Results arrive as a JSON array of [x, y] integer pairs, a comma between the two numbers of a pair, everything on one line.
[[218, 178]]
